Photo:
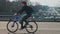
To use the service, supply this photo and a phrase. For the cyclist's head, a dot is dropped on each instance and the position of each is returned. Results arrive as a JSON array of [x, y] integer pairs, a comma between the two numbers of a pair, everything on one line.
[[23, 3]]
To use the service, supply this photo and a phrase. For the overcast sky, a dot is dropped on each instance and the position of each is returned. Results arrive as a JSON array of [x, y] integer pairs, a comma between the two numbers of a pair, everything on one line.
[[48, 2]]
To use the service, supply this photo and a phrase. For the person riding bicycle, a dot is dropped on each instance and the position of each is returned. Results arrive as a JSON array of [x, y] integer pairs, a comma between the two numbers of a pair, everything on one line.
[[28, 11]]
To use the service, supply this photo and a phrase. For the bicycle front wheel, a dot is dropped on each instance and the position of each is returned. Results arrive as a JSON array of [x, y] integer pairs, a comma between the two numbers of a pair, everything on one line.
[[32, 27], [12, 27]]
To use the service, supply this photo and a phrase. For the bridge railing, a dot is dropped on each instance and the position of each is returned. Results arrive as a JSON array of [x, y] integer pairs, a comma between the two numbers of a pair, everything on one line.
[[5, 17]]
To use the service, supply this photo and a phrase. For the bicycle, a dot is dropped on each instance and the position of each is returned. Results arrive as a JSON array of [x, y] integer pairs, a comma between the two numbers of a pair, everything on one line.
[[32, 27]]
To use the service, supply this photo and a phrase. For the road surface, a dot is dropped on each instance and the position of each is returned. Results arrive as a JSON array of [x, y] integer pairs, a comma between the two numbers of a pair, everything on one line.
[[43, 28]]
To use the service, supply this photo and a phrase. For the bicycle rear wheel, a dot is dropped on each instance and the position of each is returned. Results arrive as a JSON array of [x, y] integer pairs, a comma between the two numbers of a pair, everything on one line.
[[12, 28], [32, 27]]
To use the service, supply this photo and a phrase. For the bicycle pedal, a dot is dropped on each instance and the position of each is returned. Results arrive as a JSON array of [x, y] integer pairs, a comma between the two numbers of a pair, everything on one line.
[[20, 29]]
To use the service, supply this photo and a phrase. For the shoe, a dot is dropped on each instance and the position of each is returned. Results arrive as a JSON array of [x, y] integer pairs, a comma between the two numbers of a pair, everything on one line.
[[21, 28]]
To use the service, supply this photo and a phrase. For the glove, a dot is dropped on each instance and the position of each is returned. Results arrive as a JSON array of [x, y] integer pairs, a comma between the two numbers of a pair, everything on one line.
[[15, 14]]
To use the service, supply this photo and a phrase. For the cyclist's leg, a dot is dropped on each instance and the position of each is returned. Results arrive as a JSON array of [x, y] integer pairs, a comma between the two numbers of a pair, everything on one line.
[[24, 19], [21, 24]]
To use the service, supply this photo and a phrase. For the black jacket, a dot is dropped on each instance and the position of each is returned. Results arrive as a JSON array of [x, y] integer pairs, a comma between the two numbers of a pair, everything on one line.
[[27, 9]]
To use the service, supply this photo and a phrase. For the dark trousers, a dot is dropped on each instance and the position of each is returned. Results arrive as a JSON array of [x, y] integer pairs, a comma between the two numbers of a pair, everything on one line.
[[24, 20]]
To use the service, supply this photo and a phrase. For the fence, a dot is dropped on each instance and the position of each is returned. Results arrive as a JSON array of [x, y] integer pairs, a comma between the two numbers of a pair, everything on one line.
[[8, 17]]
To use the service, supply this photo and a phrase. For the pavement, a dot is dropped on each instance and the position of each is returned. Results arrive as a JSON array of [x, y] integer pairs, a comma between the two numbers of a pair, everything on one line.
[[43, 28]]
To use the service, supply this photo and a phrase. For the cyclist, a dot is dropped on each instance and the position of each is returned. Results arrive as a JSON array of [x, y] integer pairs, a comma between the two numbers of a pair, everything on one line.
[[28, 11]]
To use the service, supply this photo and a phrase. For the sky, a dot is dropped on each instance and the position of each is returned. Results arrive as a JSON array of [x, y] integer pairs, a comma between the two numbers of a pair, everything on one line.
[[47, 2]]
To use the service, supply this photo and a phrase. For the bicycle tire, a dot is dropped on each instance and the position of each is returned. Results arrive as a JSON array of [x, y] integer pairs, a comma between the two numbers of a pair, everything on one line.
[[14, 30], [35, 30]]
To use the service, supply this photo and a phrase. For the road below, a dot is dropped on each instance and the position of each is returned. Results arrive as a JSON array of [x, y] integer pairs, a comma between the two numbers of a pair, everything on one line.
[[43, 28]]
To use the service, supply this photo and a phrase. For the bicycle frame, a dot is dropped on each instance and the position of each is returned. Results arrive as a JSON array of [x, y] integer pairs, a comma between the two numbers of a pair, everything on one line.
[[17, 18]]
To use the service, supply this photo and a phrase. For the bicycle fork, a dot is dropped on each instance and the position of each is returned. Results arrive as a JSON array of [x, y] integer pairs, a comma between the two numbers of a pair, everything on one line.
[[13, 23]]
